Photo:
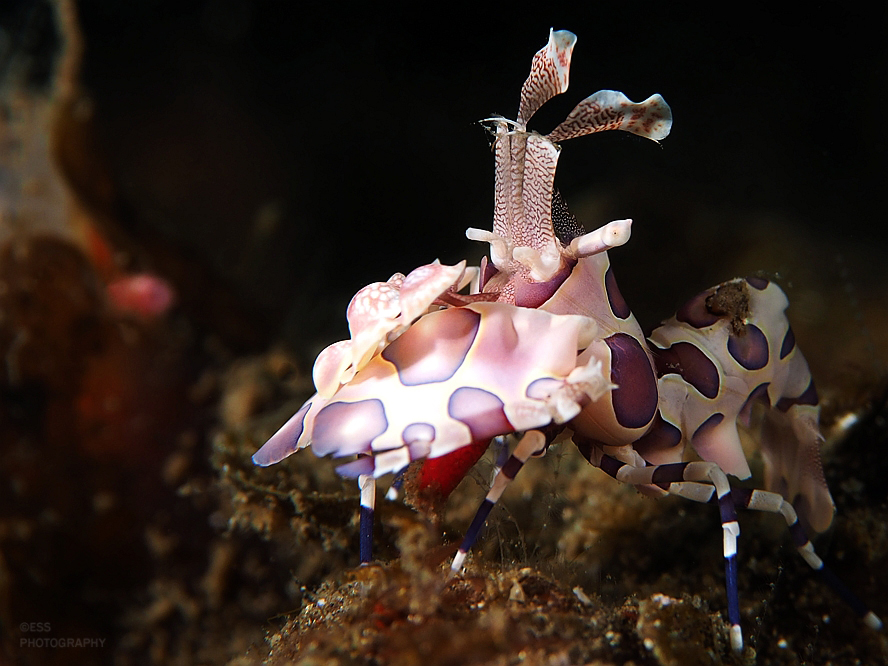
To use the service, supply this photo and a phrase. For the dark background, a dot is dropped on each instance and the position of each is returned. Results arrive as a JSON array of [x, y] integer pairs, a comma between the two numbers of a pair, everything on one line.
[[297, 153]]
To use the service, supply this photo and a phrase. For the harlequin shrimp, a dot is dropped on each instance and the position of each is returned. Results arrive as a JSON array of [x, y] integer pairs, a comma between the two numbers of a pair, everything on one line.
[[539, 343]]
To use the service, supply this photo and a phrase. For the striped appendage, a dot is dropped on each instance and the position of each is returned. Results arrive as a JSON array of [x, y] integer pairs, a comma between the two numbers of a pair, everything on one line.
[[367, 484], [706, 482], [674, 475], [725, 351], [533, 443]]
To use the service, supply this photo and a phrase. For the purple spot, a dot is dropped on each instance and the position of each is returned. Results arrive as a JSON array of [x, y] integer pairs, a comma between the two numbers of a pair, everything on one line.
[[707, 425], [750, 349], [617, 303], [661, 437], [540, 389], [808, 397], [788, 343], [694, 312], [352, 470], [534, 294], [284, 441], [416, 432], [759, 283], [419, 449], [434, 348], [481, 410], [346, 428], [691, 364], [635, 398], [758, 394], [419, 438]]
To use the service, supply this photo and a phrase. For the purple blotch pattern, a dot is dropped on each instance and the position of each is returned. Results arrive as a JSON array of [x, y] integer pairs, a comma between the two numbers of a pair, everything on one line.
[[788, 343], [534, 294], [707, 425], [540, 389], [417, 432], [694, 312], [435, 348], [808, 397], [283, 443], [661, 436], [347, 428], [687, 361], [750, 349], [635, 398], [481, 411], [615, 299], [352, 470], [758, 394], [488, 270], [758, 283]]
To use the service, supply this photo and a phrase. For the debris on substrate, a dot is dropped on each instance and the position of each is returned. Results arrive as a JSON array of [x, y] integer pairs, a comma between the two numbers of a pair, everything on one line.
[[574, 569]]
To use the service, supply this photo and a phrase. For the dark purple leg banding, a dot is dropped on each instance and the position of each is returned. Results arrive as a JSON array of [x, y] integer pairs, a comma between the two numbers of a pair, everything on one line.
[[733, 593], [610, 465], [366, 534], [663, 475], [475, 528]]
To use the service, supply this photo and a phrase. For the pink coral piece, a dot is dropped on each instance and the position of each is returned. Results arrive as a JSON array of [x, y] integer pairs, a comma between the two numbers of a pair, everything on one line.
[[143, 294]]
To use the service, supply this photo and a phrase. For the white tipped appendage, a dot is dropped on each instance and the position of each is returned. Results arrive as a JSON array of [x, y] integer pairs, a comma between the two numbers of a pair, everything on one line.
[[737, 638], [613, 234], [500, 246]]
